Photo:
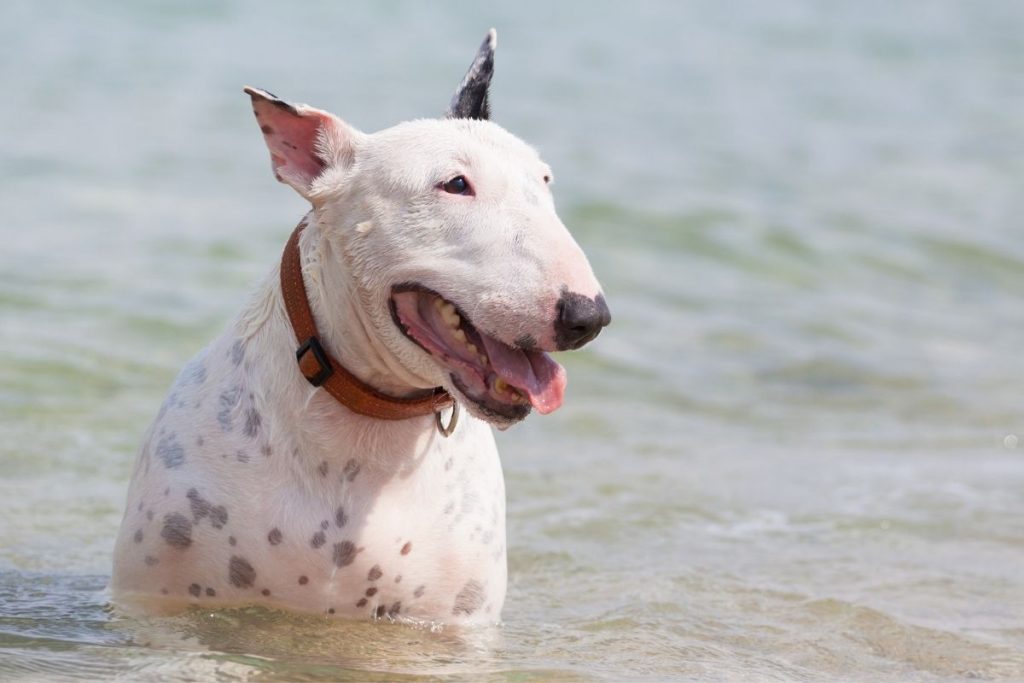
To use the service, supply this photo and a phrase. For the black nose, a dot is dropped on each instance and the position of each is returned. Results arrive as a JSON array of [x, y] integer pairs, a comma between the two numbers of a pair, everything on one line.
[[579, 319]]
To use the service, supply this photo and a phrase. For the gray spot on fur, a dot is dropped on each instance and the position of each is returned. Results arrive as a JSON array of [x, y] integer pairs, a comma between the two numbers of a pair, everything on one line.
[[469, 599], [322, 468], [210, 592], [242, 456], [418, 593], [177, 530], [194, 590], [151, 561], [344, 553], [200, 507], [228, 401], [170, 452], [138, 536], [375, 573], [218, 516], [318, 540], [252, 423], [340, 518], [351, 470], [240, 572], [275, 536], [237, 352]]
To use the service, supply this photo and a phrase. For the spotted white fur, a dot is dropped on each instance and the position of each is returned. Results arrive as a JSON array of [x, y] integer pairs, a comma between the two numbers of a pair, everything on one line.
[[252, 486]]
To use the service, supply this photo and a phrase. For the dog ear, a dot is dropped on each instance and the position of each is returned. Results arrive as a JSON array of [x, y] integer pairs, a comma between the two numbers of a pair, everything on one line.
[[303, 141], [470, 100]]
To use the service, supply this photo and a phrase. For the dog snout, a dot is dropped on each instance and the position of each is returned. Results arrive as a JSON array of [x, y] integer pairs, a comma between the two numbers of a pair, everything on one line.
[[579, 319]]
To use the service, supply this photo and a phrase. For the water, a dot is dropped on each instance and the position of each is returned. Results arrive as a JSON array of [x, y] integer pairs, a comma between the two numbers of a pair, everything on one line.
[[797, 453]]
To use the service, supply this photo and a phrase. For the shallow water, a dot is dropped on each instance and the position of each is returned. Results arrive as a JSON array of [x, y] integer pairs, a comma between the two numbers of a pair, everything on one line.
[[794, 456]]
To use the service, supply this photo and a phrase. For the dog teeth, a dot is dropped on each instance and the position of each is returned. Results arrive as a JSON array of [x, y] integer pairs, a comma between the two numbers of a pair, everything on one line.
[[509, 392], [448, 314], [451, 318]]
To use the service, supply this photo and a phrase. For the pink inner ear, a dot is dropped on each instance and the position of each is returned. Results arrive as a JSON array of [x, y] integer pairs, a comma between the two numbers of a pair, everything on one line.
[[291, 137]]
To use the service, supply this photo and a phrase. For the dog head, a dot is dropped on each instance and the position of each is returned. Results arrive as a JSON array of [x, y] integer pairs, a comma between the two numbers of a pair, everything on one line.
[[447, 234]]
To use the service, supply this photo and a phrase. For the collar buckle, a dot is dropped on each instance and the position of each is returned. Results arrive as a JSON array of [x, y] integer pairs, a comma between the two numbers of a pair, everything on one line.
[[316, 368]]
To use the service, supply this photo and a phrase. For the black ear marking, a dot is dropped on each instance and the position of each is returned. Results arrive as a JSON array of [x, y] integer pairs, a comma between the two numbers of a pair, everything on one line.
[[470, 100], [267, 96]]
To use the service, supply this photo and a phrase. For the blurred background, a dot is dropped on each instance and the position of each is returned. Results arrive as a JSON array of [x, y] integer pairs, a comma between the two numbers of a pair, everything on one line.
[[795, 455]]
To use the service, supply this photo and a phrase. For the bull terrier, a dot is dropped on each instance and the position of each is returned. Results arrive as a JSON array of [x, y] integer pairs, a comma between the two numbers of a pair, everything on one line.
[[313, 457]]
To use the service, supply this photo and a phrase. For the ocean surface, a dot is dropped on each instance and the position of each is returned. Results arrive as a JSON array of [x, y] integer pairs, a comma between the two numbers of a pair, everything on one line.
[[796, 455]]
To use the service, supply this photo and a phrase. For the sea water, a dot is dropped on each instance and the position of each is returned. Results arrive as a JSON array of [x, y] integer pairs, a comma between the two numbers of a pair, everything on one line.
[[796, 454]]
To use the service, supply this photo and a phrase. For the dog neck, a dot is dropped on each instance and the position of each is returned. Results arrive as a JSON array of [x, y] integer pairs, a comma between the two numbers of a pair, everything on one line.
[[346, 329], [346, 332], [320, 368]]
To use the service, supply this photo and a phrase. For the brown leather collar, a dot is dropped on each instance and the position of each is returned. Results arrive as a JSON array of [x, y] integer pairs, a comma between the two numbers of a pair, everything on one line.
[[321, 370]]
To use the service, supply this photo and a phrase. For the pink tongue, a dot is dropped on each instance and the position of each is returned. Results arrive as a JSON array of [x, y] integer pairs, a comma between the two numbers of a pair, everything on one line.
[[533, 372]]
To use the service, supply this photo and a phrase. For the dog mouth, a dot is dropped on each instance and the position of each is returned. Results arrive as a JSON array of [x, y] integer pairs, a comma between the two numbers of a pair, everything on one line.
[[504, 382]]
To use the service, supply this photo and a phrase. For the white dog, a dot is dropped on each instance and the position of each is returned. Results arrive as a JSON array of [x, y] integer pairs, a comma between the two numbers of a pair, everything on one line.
[[312, 457]]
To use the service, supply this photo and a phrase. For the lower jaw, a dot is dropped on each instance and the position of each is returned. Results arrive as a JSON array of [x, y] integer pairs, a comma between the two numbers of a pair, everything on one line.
[[500, 414]]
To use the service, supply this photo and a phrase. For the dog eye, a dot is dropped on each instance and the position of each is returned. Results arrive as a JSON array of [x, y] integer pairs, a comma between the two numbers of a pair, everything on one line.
[[457, 185]]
